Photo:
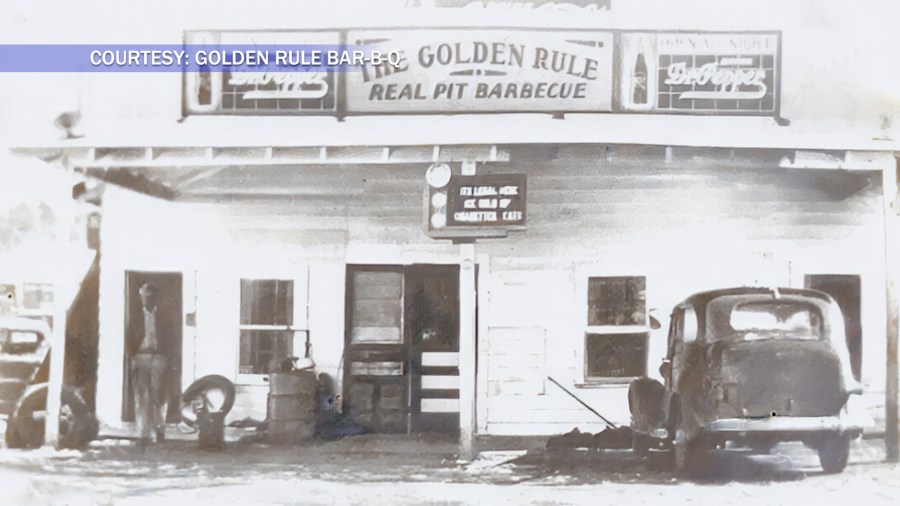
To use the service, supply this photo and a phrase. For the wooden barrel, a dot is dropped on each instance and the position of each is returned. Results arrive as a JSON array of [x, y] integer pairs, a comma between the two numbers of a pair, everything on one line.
[[291, 407], [293, 383], [289, 432]]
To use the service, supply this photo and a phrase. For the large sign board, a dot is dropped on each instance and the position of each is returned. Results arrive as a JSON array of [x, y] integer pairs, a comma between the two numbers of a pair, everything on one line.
[[241, 92], [445, 71], [699, 73], [459, 70]]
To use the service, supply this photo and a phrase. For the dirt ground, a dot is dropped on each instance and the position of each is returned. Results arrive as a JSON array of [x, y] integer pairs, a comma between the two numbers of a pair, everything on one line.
[[403, 470]]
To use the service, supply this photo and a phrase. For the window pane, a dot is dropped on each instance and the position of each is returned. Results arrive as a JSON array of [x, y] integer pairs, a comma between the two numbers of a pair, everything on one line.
[[616, 355], [263, 350], [37, 296], [617, 301], [267, 302], [376, 315]]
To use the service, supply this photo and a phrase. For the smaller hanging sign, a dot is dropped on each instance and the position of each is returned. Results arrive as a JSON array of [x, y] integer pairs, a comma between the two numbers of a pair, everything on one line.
[[489, 200]]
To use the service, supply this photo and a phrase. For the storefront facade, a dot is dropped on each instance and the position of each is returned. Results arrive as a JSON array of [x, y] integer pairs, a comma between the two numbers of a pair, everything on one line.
[[662, 158], [610, 246]]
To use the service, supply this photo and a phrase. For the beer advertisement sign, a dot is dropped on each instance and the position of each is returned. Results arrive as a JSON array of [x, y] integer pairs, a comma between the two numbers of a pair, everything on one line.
[[241, 90], [457, 71], [699, 73]]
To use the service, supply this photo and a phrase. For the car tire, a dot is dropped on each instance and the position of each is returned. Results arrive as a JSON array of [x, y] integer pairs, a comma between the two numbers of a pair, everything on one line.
[[645, 402], [834, 453], [641, 443], [24, 432], [696, 460], [199, 389]]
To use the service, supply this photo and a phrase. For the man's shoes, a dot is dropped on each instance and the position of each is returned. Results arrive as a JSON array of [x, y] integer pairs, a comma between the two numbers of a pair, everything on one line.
[[160, 434]]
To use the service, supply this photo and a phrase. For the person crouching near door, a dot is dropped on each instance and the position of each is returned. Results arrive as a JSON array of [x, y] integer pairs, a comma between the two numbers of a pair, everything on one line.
[[148, 368]]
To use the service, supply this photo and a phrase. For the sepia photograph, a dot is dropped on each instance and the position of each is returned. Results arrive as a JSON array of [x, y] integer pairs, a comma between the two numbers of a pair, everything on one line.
[[450, 252]]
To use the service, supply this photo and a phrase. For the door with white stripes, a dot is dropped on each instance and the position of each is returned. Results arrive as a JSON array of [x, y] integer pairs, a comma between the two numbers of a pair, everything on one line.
[[432, 327]]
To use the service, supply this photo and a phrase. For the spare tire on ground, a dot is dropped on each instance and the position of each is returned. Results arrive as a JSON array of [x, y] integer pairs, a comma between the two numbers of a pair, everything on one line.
[[212, 393]]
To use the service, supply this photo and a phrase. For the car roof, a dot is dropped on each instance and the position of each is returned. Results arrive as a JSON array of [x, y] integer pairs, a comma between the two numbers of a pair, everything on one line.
[[701, 299]]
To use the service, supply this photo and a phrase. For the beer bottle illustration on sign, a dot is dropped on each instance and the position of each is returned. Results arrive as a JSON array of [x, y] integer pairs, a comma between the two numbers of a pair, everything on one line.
[[639, 79]]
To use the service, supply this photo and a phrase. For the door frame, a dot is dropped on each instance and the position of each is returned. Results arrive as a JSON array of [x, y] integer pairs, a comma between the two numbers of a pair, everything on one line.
[[853, 336], [133, 281]]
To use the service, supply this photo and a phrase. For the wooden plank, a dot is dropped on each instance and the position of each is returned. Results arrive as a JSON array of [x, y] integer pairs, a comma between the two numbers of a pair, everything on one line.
[[440, 382], [523, 339], [376, 368], [385, 335], [601, 399], [377, 292], [448, 370], [440, 405], [467, 344], [440, 359], [573, 416], [892, 283], [377, 353], [542, 429], [452, 393], [510, 372], [377, 278], [515, 387]]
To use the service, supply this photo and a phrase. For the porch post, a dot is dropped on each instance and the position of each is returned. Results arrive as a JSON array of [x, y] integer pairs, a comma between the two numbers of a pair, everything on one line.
[[892, 266], [57, 360], [467, 336]]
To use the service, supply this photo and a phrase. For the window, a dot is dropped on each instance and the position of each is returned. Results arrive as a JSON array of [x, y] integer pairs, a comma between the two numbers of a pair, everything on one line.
[[38, 296], [617, 332], [764, 319], [267, 317]]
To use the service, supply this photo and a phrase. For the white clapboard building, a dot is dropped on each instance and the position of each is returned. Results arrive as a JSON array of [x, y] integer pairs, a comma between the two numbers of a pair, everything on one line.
[[526, 195]]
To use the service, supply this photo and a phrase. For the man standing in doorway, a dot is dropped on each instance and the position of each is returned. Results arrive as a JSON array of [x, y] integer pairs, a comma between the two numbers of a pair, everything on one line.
[[148, 368]]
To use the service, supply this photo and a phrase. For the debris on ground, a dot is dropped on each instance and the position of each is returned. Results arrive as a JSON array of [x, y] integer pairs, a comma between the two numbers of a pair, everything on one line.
[[618, 438]]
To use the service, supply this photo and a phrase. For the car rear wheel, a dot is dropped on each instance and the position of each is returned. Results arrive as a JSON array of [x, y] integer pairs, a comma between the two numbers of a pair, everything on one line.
[[694, 458], [834, 453]]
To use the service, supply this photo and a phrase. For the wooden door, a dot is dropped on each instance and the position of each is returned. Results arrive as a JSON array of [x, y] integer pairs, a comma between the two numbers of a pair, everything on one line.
[[432, 328], [845, 288], [376, 366]]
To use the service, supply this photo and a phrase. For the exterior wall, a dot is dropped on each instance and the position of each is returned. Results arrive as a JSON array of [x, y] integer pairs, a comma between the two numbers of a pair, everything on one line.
[[686, 228], [214, 246], [687, 225]]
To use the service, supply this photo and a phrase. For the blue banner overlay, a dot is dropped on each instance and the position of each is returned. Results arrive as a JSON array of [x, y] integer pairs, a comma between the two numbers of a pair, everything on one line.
[[191, 58]]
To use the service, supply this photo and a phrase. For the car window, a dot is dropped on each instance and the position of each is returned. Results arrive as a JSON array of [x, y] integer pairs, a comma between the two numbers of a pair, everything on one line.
[[689, 324], [767, 318]]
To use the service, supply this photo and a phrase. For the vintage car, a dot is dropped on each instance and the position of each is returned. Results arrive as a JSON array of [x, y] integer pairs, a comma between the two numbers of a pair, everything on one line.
[[24, 370], [750, 368]]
